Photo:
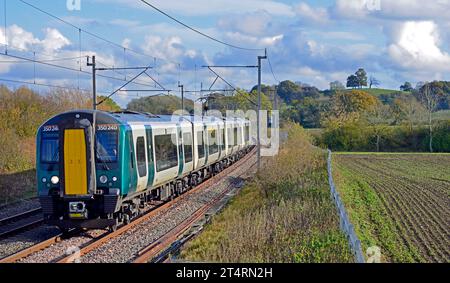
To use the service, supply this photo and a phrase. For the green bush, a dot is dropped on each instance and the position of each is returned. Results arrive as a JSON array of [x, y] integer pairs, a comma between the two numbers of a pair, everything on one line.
[[11, 157], [356, 136]]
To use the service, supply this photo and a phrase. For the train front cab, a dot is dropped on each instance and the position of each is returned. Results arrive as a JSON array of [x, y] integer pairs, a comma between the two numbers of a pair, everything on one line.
[[78, 180]]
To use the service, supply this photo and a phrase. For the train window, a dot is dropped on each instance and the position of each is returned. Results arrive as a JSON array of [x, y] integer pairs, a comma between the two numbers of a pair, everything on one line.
[[187, 142], [201, 144], [140, 157], [223, 139], [213, 142], [247, 133], [235, 136], [240, 135], [230, 138], [50, 150], [166, 152], [106, 146]]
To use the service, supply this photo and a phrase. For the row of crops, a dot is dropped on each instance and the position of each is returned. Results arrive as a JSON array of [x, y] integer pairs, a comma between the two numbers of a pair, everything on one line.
[[399, 203]]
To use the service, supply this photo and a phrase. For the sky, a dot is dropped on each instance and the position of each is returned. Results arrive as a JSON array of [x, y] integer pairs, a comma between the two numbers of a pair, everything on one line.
[[313, 42]]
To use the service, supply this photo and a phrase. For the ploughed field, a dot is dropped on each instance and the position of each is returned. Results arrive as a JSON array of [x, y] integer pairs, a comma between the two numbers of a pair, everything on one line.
[[398, 202]]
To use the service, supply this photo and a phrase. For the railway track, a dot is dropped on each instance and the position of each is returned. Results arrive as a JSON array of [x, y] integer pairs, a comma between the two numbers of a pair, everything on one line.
[[149, 251], [20, 222]]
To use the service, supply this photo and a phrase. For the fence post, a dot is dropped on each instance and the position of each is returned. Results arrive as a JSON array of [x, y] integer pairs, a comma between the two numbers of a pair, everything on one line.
[[346, 226]]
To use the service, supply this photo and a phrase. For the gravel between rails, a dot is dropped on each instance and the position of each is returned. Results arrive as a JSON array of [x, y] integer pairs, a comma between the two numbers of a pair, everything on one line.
[[60, 249], [23, 206], [25, 240], [125, 247]]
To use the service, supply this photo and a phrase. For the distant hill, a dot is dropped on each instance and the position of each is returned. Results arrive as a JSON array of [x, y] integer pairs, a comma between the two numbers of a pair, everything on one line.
[[379, 91], [160, 105]]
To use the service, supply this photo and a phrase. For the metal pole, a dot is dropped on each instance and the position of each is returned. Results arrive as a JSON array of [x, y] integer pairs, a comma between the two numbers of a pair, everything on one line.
[[259, 110], [182, 97], [276, 98], [94, 83]]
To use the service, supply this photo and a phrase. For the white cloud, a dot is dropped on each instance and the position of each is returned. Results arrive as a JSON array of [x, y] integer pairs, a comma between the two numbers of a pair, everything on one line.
[[53, 41], [18, 38], [255, 23], [256, 42], [309, 14], [168, 49], [399, 9], [417, 47]]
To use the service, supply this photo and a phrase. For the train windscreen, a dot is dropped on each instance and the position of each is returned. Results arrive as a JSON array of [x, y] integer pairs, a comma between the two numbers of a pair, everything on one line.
[[107, 146], [50, 149]]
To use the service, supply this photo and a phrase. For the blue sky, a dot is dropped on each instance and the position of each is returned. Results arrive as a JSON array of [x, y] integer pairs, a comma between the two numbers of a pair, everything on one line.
[[314, 42]]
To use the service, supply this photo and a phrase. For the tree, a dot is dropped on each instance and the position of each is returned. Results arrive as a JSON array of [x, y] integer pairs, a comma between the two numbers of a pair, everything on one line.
[[350, 105], [352, 81], [288, 90], [407, 108], [430, 95], [160, 105], [373, 82], [406, 87], [336, 85], [378, 121], [362, 77]]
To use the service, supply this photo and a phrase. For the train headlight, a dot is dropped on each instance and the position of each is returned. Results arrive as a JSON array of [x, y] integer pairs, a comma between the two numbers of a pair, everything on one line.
[[54, 180], [103, 179], [44, 180], [114, 179]]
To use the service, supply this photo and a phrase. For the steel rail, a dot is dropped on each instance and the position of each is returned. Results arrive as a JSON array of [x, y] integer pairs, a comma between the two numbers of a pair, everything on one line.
[[87, 249], [31, 250], [15, 224], [20, 215]]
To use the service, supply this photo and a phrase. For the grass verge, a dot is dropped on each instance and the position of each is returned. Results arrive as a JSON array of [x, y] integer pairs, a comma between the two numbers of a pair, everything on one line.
[[284, 215]]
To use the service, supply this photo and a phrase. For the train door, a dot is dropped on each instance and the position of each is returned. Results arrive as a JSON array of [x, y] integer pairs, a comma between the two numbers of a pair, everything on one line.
[[141, 153]]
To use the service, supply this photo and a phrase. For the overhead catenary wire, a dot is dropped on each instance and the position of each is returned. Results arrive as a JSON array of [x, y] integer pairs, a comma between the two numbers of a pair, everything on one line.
[[46, 85], [200, 32], [70, 69], [271, 70], [89, 32], [34, 60]]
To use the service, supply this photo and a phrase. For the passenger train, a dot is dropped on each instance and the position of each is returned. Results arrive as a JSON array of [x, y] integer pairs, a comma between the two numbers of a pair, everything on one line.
[[98, 169]]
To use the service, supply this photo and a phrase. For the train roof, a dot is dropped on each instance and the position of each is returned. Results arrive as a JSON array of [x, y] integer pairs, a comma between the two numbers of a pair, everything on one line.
[[132, 117]]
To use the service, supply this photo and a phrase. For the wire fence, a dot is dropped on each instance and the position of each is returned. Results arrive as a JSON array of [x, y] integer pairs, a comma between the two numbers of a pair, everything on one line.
[[346, 226]]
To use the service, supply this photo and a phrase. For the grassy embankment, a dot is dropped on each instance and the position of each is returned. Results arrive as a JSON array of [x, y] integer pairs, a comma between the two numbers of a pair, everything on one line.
[[398, 202], [284, 215]]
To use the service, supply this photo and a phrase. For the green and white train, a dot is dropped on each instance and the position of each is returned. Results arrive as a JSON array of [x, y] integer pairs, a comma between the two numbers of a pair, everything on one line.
[[97, 169]]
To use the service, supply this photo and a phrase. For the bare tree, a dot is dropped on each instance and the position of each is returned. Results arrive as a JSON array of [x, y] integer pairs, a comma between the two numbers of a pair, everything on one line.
[[430, 97], [408, 109], [373, 82], [378, 120]]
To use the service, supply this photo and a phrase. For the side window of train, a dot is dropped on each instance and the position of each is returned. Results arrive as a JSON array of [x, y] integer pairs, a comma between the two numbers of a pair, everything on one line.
[[223, 139], [247, 133], [140, 157], [235, 136], [213, 142], [166, 152], [187, 142], [201, 144], [130, 142]]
